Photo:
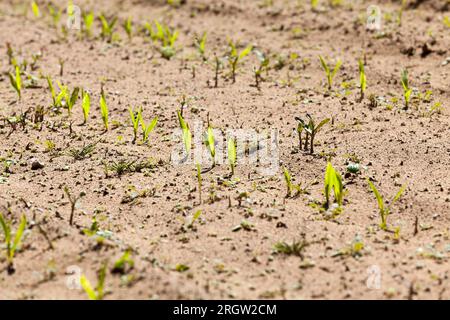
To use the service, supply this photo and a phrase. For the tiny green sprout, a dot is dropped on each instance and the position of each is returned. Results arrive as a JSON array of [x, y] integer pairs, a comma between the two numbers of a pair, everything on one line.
[[128, 26], [73, 202], [35, 9], [85, 105], [72, 100], [104, 110], [88, 20], [333, 181], [16, 82], [107, 27], [12, 245], [195, 217], [199, 182], [165, 36], [187, 136], [201, 46], [147, 129], [211, 144], [330, 74], [98, 292], [263, 66], [383, 209], [362, 78], [232, 154], [446, 21], [135, 117], [311, 131], [124, 263], [314, 4], [236, 57], [407, 90], [55, 14], [288, 179]]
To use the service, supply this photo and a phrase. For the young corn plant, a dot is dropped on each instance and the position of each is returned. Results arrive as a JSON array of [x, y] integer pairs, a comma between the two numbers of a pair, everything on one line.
[[128, 26], [98, 292], [35, 9], [311, 131], [330, 73], [165, 36], [384, 209], [11, 244], [88, 20], [211, 144], [407, 90], [135, 117], [232, 154], [362, 79], [104, 111], [263, 66], [107, 27], [201, 46], [291, 187], [235, 57], [55, 14], [147, 128], [333, 182], [187, 135], [85, 105], [72, 100], [16, 82]]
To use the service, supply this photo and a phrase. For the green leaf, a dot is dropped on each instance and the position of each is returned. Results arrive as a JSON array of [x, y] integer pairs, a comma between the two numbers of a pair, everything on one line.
[[245, 52], [321, 124], [398, 195], [104, 111], [18, 236], [6, 229], [377, 195], [324, 65], [35, 9], [86, 105], [88, 288], [211, 143], [187, 137]]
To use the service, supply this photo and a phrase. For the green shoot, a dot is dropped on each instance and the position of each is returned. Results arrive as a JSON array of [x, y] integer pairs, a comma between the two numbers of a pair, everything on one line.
[[135, 118], [98, 292], [55, 14], [16, 82], [107, 27], [291, 186], [263, 66], [330, 74], [383, 209], [314, 4], [35, 9], [201, 44], [147, 129], [362, 78], [52, 89], [199, 181], [72, 100], [210, 143], [104, 111], [86, 105], [311, 131], [236, 57], [128, 26], [88, 22], [333, 181], [446, 21], [232, 154], [121, 264], [187, 136], [165, 36], [10, 244], [407, 91]]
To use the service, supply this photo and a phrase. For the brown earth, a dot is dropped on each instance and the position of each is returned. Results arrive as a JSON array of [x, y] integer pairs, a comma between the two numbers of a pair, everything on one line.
[[394, 147]]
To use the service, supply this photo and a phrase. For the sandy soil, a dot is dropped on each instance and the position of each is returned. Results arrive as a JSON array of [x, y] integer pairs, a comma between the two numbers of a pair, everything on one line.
[[147, 211]]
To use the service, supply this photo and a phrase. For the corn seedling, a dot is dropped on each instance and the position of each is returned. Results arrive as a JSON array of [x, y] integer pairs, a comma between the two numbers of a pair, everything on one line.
[[333, 181], [446, 21], [263, 66], [201, 46], [135, 117], [384, 209], [314, 4], [85, 105], [124, 263], [11, 244], [107, 27], [73, 202], [165, 36], [329, 73], [291, 186], [311, 131], [407, 91], [35, 9], [55, 14], [232, 154], [16, 82], [211, 144], [235, 57], [147, 128], [362, 79], [128, 26], [72, 100], [199, 182], [88, 20], [98, 292], [104, 111], [187, 136]]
